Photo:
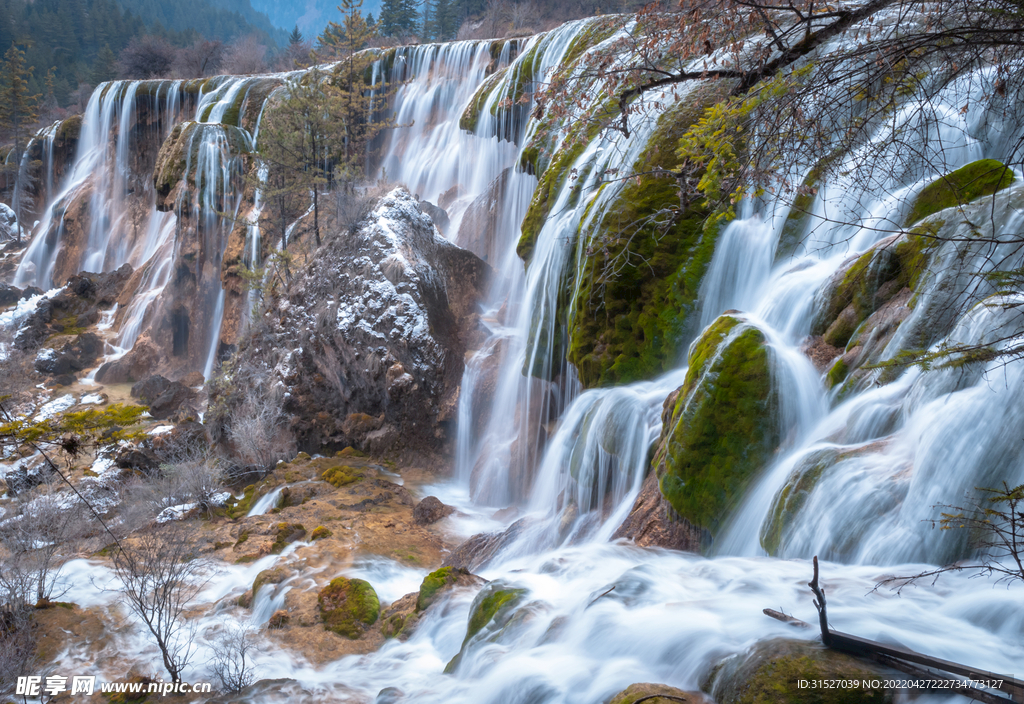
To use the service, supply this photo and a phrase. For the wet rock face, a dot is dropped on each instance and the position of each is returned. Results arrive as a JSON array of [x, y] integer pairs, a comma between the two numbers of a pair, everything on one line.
[[657, 694], [370, 341], [653, 523]]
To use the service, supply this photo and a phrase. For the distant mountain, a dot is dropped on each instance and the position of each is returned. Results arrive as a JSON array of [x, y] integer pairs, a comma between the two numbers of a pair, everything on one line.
[[311, 16]]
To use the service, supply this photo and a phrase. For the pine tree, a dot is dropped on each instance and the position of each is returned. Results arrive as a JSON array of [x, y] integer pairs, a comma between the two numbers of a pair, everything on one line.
[[103, 67], [398, 18], [17, 108], [445, 24], [295, 38]]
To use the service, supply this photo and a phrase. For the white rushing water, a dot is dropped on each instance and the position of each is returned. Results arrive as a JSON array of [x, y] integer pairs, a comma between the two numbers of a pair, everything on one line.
[[573, 461]]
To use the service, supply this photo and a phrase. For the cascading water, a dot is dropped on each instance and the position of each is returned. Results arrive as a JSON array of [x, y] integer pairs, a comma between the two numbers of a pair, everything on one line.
[[870, 460]]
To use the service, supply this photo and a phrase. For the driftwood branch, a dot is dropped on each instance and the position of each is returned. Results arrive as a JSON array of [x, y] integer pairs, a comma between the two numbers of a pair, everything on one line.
[[910, 661], [819, 604]]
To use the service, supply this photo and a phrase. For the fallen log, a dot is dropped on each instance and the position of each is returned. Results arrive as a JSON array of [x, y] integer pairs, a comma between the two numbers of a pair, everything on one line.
[[907, 661]]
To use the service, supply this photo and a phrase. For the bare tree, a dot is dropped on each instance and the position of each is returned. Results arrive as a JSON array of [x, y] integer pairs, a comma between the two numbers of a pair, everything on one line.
[[496, 18], [199, 59], [161, 574], [38, 542], [254, 425], [522, 15], [17, 643], [146, 57], [246, 55], [232, 657]]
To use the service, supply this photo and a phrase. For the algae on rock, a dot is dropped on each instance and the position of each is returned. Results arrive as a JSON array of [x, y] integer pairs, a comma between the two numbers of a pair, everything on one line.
[[348, 607], [722, 427]]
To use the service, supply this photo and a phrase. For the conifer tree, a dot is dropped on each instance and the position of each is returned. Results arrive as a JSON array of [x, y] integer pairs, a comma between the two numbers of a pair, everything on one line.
[[17, 109], [398, 18], [103, 67], [295, 37]]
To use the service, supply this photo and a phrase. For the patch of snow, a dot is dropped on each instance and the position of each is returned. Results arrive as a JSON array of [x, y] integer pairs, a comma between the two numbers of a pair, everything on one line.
[[174, 513], [46, 354], [92, 398], [52, 408], [104, 467], [160, 430], [221, 499]]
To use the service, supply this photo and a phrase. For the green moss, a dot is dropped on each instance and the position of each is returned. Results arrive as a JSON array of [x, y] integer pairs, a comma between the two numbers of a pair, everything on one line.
[[771, 672], [597, 30], [349, 452], [239, 508], [644, 260], [648, 694], [246, 559], [70, 129], [799, 212], [490, 603], [342, 475], [273, 576], [980, 178], [434, 583], [470, 117], [837, 374], [348, 606], [394, 626], [320, 532], [793, 496], [722, 429], [286, 533]]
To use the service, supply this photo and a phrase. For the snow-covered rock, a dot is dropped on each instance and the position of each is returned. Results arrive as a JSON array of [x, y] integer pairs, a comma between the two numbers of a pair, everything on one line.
[[369, 344]]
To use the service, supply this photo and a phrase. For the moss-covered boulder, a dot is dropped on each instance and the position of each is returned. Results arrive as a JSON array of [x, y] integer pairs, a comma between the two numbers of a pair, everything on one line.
[[645, 258], [793, 496], [285, 534], [272, 576], [342, 475], [771, 673], [721, 428], [320, 532], [438, 581], [656, 694], [348, 607], [979, 178], [492, 609], [180, 152]]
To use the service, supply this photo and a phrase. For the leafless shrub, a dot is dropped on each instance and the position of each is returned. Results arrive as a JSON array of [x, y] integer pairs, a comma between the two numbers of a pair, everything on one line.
[[199, 59], [522, 15], [246, 55], [255, 418], [161, 574], [17, 644], [146, 57], [38, 541], [232, 657]]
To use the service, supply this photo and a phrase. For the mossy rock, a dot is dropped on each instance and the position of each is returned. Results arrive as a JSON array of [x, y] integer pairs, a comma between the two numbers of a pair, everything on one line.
[[871, 280], [645, 258], [285, 535], [648, 693], [271, 576], [436, 582], [770, 672], [349, 452], [491, 610], [795, 226], [320, 532], [181, 149], [837, 374], [792, 497], [70, 129], [980, 178], [239, 508], [342, 475], [131, 697], [348, 607], [722, 429]]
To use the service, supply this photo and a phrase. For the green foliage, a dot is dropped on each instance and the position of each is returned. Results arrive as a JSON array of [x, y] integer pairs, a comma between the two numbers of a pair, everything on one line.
[[979, 178], [348, 606], [398, 18], [713, 147], [722, 429], [440, 20], [75, 432]]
